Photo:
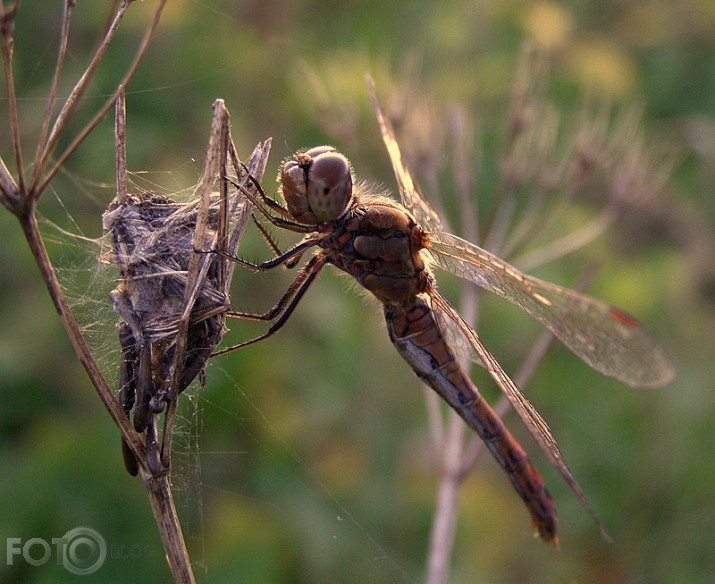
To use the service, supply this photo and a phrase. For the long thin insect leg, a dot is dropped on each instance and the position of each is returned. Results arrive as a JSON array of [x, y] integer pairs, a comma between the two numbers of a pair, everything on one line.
[[285, 306], [291, 263], [267, 201], [287, 256], [267, 236], [282, 301]]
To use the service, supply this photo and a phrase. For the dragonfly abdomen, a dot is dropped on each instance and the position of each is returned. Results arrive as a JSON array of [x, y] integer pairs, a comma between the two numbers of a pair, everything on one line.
[[418, 337]]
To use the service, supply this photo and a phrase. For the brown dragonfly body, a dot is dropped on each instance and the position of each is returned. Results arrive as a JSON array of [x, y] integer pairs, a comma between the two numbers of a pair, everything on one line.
[[388, 248], [378, 243], [420, 339]]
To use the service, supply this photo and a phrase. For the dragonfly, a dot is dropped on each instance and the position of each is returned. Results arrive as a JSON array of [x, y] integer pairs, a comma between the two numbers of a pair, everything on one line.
[[390, 247]]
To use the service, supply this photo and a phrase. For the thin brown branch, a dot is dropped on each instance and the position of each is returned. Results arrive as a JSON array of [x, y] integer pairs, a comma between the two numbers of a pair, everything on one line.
[[77, 92], [464, 161], [120, 144], [224, 207], [8, 187], [7, 28], [219, 125], [158, 489], [452, 452], [37, 246], [444, 518], [571, 242], [52, 98], [111, 9], [144, 45]]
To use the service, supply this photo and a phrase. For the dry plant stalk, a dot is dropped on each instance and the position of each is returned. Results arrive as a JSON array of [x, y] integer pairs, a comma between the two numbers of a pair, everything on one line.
[[184, 330], [21, 196], [171, 300]]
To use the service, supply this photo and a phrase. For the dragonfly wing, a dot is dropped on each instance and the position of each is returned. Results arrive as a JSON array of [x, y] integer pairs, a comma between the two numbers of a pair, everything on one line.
[[606, 338], [410, 195], [537, 426]]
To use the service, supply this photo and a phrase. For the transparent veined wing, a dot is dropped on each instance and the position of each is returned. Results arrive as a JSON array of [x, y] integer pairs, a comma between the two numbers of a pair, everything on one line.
[[452, 322], [410, 195], [606, 338]]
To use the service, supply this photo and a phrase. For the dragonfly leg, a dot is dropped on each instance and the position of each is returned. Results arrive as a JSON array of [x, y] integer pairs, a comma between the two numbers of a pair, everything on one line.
[[290, 257], [272, 313], [285, 306], [267, 236], [290, 263], [269, 203]]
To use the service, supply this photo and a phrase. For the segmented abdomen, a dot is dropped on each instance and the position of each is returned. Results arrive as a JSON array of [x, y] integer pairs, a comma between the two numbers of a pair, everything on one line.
[[419, 338]]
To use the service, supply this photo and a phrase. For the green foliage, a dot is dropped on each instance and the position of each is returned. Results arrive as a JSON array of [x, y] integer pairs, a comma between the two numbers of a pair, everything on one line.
[[314, 451]]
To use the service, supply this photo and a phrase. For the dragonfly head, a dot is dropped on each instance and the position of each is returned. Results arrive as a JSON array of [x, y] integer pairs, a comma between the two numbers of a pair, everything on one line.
[[317, 185]]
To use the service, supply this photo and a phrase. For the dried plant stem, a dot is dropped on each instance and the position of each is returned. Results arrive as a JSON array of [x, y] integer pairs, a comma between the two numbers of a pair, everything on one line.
[[40, 184], [21, 200], [120, 141], [451, 443], [454, 447], [78, 90], [8, 188], [444, 522], [158, 489], [7, 25], [37, 246], [198, 264], [571, 242], [51, 99]]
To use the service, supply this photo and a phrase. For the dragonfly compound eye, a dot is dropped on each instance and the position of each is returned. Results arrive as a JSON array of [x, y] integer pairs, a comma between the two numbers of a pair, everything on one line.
[[329, 185], [292, 179]]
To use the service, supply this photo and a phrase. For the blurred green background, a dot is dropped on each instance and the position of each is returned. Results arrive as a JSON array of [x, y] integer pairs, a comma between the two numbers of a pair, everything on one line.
[[308, 458]]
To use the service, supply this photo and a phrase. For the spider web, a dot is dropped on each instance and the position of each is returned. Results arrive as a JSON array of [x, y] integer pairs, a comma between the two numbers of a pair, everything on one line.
[[86, 282]]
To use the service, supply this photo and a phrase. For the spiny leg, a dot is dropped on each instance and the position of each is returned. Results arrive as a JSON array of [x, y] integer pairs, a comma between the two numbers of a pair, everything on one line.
[[267, 236], [291, 256], [267, 201], [291, 263], [285, 306]]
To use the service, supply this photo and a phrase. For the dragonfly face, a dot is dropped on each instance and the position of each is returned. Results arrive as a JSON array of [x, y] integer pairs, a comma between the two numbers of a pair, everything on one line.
[[317, 185]]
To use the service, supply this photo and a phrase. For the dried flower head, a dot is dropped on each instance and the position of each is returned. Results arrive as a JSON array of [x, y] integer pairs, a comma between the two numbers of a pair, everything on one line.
[[173, 301]]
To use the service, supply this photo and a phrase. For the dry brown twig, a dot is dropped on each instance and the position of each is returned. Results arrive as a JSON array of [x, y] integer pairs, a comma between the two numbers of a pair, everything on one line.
[[169, 344], [21, 198], [173, 301]]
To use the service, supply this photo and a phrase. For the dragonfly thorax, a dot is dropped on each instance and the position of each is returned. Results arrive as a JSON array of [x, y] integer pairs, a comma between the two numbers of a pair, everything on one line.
[[317, 185]]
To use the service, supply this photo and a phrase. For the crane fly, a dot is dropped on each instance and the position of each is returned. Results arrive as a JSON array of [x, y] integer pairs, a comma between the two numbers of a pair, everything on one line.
[[389, 247]]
